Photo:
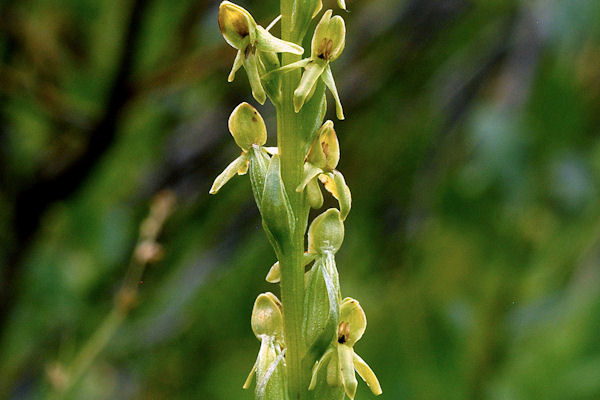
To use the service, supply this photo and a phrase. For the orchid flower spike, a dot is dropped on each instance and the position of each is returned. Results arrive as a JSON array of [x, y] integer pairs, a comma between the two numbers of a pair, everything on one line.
[[340, 359], [250, 133], [328, 42], [251, 40], [323, 157], [267, 325]]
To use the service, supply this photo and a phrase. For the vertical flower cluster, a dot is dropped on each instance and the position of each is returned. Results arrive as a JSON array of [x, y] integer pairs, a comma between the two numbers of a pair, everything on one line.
[[330, 326]]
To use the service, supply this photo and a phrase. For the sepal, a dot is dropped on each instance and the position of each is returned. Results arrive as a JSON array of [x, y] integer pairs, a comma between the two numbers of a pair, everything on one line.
[[329, 38], [325, 150], [247, 127], [236, 24], [267, 325], [267, 320], [353, 322], [267, 42]]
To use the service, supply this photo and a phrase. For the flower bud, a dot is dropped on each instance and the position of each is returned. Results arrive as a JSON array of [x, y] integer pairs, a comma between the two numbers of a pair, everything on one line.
[[236, 24], [329, 38], [353, 322], [247, 127], [314, 194], [266, 317], [326, 233]]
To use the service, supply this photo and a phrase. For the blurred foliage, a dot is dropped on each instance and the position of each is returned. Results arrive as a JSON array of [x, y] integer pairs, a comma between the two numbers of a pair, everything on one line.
[[471, 146]]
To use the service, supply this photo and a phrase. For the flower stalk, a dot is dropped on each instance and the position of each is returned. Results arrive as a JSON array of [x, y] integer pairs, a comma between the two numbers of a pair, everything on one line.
[[285, 185]]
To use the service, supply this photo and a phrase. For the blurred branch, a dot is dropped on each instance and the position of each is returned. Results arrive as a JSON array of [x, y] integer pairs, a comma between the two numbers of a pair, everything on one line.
[[146, 251], [33, 200]]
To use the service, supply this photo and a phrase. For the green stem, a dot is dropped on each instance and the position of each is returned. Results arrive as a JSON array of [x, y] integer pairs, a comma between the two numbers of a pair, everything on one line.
[[292, 153]]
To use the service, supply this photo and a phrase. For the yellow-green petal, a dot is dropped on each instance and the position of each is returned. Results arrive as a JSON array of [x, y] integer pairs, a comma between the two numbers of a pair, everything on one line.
[[367, 375], [305, 89], [236, 24], [335, 184], [347, 374], [267, 319], [329, 38], [353, 322], [326, 232], [229, 172]]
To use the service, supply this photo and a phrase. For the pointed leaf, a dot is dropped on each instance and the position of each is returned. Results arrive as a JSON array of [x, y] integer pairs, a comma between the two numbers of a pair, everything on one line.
[[228, 173], [259, 165], [278, 218], [321, 308]]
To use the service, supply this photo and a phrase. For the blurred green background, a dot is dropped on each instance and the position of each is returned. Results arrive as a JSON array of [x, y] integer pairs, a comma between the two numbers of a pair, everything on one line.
[[471, 146]]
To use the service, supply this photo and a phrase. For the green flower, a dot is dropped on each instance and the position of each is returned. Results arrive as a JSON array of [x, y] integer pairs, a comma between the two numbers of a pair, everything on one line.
[[267, 325], [321, 161], [340, 359], [328, 43], [250, 133], [251, 40]]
